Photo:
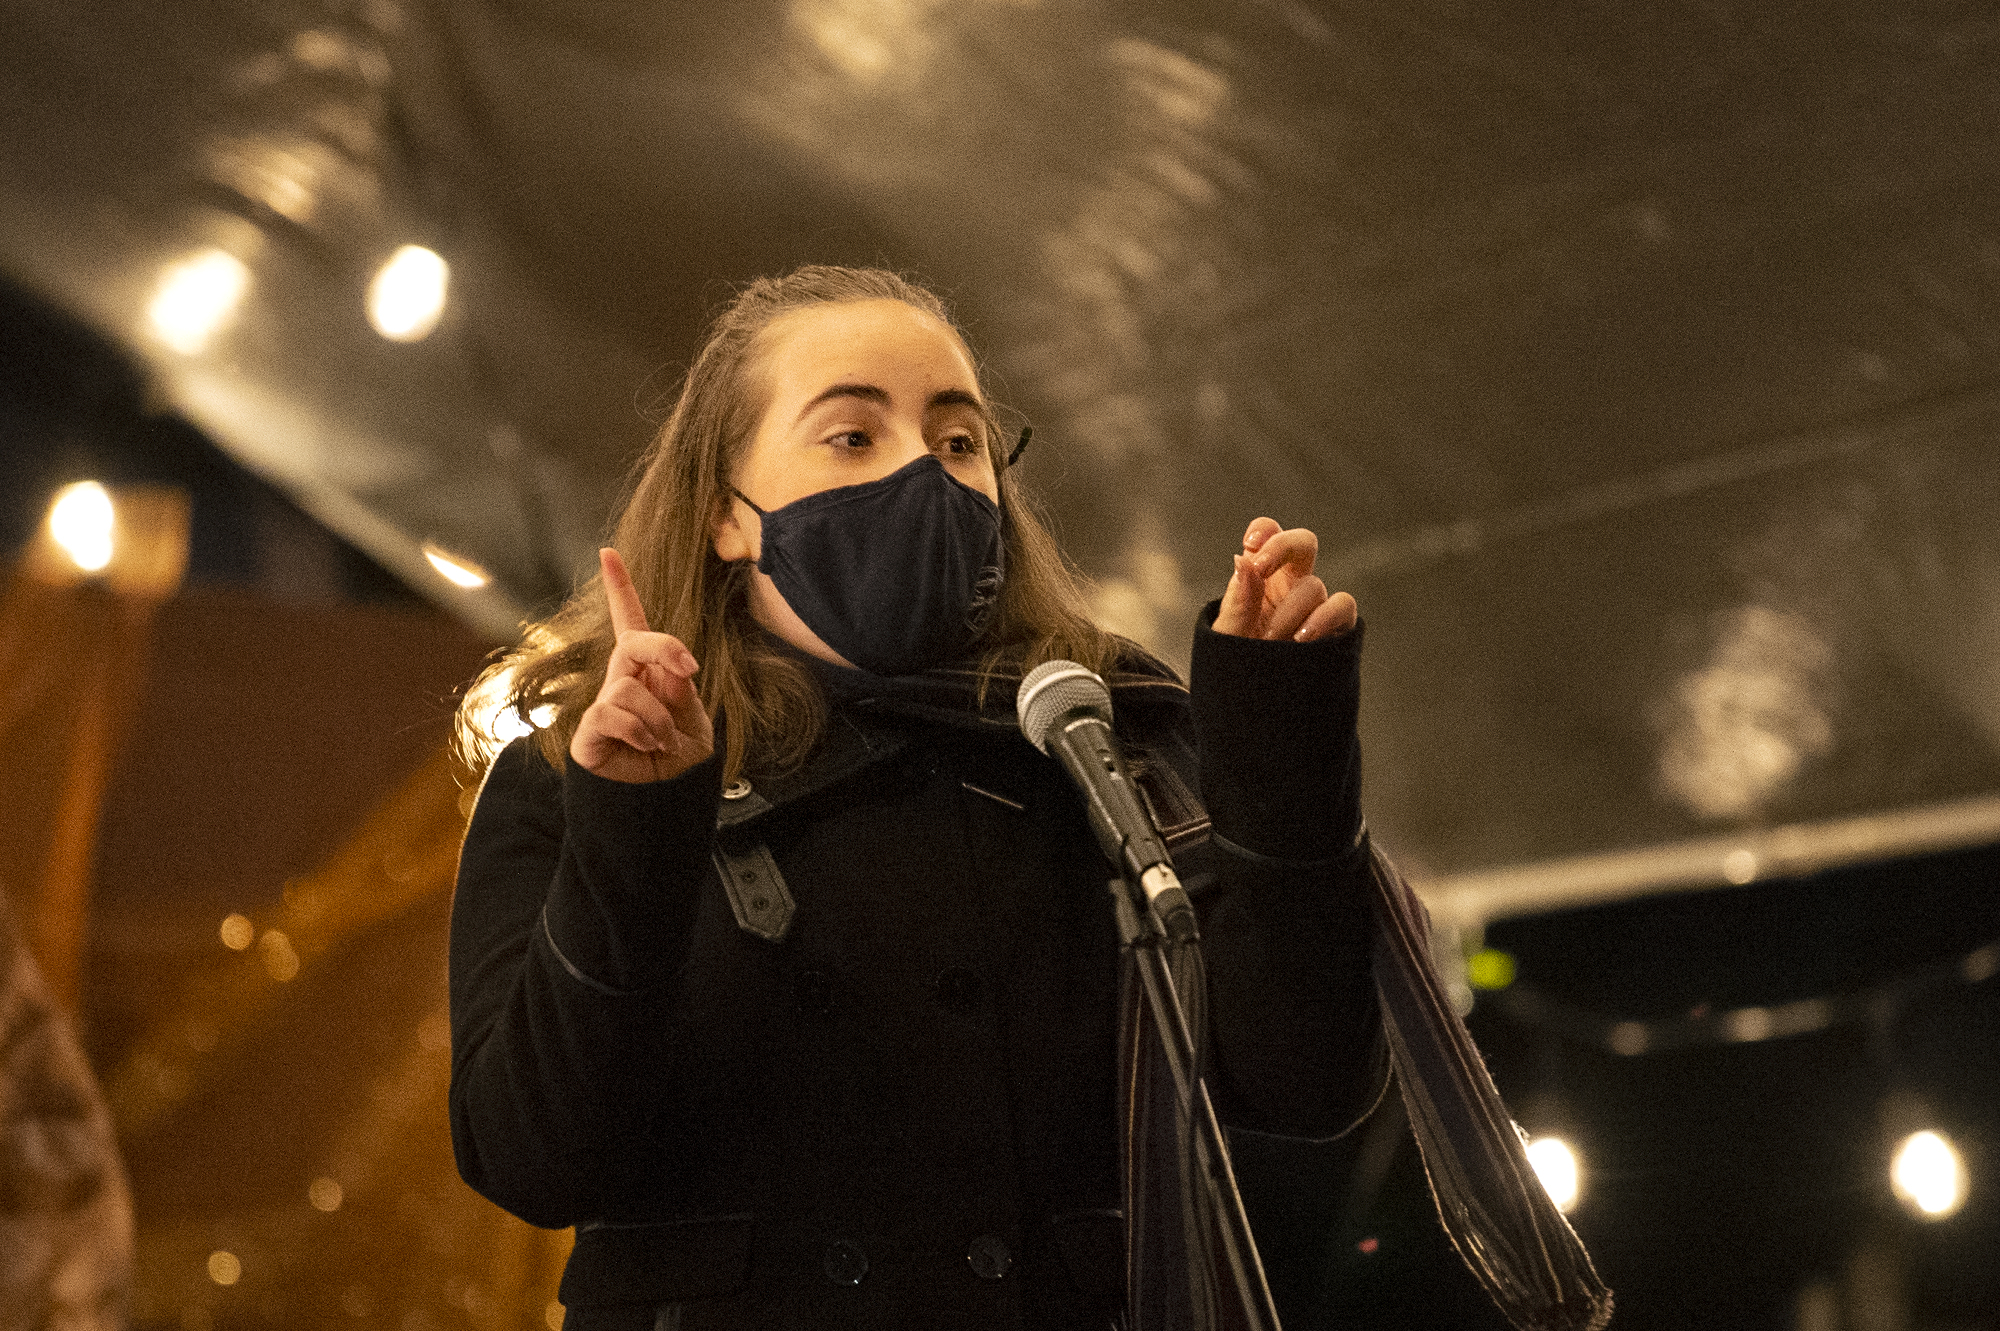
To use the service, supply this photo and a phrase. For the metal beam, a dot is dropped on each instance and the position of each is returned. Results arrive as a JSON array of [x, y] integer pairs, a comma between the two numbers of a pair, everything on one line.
[[1733, 860]]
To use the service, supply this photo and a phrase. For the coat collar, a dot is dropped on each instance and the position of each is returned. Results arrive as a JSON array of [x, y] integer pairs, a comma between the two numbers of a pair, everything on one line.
[[852, 741], [873, 718]]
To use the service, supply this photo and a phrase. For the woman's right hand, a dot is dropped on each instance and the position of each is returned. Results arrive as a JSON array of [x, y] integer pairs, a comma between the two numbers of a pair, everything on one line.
[[647, 722]]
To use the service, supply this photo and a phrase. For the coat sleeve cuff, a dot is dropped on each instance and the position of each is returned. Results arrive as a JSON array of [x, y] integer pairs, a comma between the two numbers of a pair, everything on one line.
[[634, 857], [1276, 725]]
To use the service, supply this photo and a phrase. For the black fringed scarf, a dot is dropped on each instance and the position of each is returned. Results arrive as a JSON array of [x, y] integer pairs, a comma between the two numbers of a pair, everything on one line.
[[1493, 1208]]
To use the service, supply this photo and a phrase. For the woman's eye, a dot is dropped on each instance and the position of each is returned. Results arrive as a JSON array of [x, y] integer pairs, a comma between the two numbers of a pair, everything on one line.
[[856, 439], [961, 443]]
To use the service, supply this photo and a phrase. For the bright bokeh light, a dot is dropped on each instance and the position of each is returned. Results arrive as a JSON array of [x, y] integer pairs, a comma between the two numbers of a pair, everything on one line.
[[407, 296], [325, 1194], [237, 932], [196, 298], [281, 959], [1556, 1166], [1928, 1176], [224, 1268], [494, 722], [455, 569], [81, 521], [507, 726], [1490, 968]]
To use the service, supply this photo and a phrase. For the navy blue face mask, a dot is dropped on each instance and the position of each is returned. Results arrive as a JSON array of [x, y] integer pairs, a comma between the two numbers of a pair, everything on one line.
[[897, 574]]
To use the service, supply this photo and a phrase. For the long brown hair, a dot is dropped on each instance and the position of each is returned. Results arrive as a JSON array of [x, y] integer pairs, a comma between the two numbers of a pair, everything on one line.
[[773, 710]]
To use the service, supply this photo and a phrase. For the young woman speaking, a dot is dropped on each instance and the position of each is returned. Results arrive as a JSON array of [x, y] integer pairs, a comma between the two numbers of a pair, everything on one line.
[[783, 966]]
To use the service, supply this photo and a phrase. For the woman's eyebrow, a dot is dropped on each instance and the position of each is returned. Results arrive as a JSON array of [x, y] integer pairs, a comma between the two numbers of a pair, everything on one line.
[[955, 397], [866, 392], [944, 397]]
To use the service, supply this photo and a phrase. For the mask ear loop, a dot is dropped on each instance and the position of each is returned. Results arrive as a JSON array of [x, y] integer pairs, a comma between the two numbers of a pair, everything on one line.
[[1021, 444]]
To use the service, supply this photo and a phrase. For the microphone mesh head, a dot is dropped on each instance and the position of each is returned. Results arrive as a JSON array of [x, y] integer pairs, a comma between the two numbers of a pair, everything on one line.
[[1053, 690]]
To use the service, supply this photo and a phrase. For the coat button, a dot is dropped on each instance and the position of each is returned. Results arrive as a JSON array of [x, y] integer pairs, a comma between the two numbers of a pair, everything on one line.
[[956, 988], [988, 1257], [844, 1263]]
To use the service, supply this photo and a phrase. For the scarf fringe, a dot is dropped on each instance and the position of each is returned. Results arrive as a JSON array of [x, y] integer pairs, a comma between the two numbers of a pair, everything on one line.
[[1493, 1207]]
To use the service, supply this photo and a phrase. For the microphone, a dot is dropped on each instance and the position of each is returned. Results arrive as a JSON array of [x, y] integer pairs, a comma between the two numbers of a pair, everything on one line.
[[1065, 712]]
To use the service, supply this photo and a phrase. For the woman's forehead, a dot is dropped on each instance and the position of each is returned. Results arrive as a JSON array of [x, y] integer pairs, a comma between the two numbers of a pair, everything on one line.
[[860, 339]]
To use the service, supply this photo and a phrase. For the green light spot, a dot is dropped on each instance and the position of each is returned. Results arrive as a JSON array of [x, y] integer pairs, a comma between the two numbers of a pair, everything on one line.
[[1490, 969]]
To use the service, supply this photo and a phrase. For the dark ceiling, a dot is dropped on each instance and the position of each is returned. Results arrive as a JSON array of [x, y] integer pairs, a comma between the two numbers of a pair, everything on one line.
[[1638, 363]]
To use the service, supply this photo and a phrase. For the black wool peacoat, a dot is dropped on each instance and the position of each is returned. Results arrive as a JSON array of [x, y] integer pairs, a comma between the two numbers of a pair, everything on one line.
[[899, 1109]]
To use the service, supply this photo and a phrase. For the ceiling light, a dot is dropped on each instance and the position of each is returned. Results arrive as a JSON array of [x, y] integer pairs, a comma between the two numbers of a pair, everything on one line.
[[1928, 1176], [407, 296], [1556, 1166], [455, 569], [196, 298], [81, 521]]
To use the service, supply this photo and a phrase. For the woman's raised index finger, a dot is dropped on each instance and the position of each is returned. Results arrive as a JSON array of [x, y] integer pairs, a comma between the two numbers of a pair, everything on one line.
[[627, 612]]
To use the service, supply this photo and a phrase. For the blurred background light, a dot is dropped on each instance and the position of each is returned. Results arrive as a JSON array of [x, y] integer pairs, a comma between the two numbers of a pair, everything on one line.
[[281, 959], [1743, 726], [325, 1194], [321, 50], [495, 723], [865, 41], [1749, 1024], [1630, 1038], [1556, 1165], [507, 724], [81, 521], [1490, 968], [283, 177], [407, 297], [237, 932], [455, 569], [1928, 1175], [1740, 867], [224, 1268], [197, 298]]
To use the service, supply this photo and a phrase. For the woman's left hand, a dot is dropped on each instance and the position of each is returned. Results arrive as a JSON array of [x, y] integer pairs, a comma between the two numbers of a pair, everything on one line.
[[1274, 594]]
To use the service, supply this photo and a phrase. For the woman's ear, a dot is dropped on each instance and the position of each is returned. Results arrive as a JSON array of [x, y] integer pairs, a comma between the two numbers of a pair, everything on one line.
[[734, 539]]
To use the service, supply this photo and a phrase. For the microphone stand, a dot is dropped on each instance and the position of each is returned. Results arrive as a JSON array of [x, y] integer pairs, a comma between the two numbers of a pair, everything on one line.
[[1141, 934]]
